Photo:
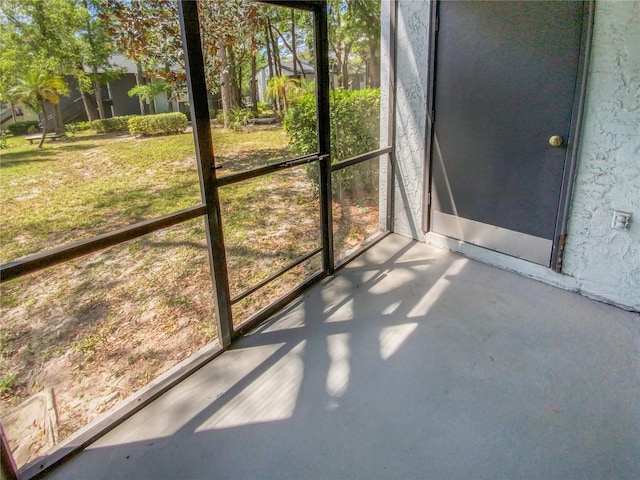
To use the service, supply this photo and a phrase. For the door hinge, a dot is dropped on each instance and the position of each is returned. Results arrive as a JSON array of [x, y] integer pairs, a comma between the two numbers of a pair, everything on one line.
[[562, 241], [437, 24], [428, 198]]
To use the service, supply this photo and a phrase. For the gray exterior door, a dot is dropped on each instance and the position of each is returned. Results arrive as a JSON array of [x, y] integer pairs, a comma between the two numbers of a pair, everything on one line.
[[505, 80]]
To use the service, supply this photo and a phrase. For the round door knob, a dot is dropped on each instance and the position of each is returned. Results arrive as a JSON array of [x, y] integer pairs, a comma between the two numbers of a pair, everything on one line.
[[555, 141]]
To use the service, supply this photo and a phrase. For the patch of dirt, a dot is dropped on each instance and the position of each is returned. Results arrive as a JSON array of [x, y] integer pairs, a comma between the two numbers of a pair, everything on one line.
[[97, 329]]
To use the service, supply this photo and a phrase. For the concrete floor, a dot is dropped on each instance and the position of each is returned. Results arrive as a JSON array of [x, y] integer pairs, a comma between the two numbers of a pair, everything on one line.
[[412, 362]]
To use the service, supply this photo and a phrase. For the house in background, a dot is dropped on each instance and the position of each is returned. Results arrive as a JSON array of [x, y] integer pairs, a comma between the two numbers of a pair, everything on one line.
[[357, 80], [19, 113], [262, 76], [116, 97]]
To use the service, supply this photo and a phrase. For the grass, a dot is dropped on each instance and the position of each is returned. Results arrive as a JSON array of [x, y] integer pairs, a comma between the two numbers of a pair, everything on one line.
[[7, 383], [111, 321]]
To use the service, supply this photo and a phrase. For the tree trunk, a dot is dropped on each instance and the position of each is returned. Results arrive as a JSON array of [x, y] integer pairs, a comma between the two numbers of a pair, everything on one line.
[[44, 125], [293, 44], [234, 90], [97, 85], [345, 67], [224, 85], [277, 64], [338, 54], [169, 102], [252, 83], [238, 84], [141, 80], [284, 99], [296, 59], [269, 56], [13, 112], [58, 121], [374, 67], [167, 70]]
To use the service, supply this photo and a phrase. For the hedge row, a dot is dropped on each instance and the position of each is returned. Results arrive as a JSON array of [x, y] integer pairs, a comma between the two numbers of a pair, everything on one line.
[[355, 123], [355, 129], [22, 128], [115, 124], [161, 124]]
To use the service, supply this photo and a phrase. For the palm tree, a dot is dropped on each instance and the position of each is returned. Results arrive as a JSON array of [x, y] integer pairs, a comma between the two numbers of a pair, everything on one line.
[[37, 88], [282, 89]]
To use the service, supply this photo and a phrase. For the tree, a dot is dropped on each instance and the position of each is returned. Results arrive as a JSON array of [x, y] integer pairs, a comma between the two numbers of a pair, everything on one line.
[[61, 37], [354, 39], [148, 32], [228, 28], [149, 91], [94, 49], [38, 36], [282, 89], [38, 88], [366, 15]]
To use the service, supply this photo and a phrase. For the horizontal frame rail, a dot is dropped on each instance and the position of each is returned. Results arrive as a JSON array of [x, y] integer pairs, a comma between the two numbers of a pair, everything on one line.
[[264, 282], [40, 261], [308, 5], [369, 242], [360, 158], [258, 172], [277, 305]]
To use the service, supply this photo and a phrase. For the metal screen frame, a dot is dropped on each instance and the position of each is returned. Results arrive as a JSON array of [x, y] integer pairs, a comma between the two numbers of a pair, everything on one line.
[[210, 210]]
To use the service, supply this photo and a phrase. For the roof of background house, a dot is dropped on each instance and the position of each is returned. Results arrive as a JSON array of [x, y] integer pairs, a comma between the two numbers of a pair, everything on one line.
[[287, 68], [120, 61]]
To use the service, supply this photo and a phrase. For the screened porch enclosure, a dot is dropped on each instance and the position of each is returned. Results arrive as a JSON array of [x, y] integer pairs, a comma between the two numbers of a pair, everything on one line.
[[281, 307], [159, 292]]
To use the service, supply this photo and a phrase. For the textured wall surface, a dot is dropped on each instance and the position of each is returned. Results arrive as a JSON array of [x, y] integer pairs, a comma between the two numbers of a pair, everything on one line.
[[411, 93], [599, 262], [606, 262], [385, 107]]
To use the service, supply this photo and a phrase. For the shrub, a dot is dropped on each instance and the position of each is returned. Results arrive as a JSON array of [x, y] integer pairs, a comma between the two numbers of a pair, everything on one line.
[[237, 117], [355, 129], [73, 128], [3, 140], [160, 124], [7, 384], [115, 124], [22, 128]]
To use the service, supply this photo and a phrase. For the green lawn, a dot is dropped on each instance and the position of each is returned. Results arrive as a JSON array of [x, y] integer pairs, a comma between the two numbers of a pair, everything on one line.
[[92, 184]]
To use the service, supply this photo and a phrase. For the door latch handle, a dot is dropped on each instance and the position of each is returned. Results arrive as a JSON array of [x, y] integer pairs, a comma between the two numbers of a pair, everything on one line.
[[555, 141]]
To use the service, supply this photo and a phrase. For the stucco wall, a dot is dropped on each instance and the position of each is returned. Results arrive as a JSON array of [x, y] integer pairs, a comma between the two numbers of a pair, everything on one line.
[[599, 262], [606, 262], [411, 93]]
